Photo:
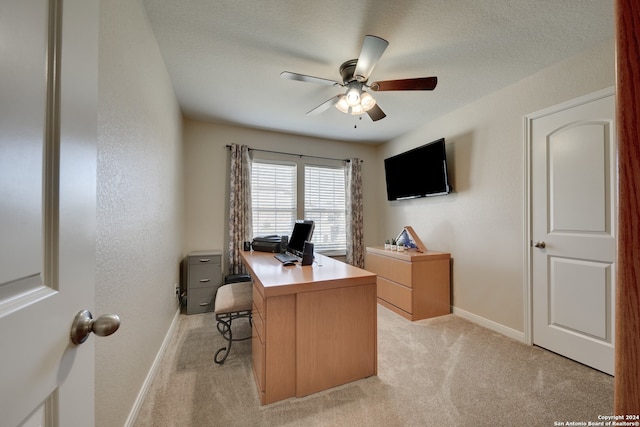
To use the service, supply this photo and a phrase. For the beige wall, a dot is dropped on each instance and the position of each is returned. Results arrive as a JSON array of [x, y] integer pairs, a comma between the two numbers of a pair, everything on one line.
[[139, 205], [482, 223], [207, 176]]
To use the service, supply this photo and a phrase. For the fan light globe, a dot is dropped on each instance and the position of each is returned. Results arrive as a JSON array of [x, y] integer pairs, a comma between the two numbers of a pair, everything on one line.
[[357, 109], [367, 101], [342, 104], [353, 97]]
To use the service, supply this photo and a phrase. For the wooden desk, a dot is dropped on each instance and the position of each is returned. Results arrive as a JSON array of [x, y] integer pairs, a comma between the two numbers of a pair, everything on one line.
[[314, 327]]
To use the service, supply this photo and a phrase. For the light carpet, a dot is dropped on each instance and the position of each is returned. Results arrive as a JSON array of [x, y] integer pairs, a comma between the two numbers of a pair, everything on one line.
[[444, 371]]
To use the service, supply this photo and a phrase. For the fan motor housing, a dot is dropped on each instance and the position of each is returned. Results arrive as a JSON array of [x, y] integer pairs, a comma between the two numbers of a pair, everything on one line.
[[346, 70]]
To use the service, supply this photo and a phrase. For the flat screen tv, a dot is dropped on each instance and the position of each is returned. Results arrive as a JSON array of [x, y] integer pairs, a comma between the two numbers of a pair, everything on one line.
[[420, 172]]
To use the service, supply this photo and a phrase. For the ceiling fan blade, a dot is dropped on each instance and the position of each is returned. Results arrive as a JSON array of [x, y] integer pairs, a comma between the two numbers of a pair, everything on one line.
[[324, 106], [372, 49], [376, 113], [309, 79], [420, 83]]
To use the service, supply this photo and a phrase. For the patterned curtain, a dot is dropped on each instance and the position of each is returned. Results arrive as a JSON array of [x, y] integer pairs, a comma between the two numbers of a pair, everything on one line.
[[355, 245], [239, 205]]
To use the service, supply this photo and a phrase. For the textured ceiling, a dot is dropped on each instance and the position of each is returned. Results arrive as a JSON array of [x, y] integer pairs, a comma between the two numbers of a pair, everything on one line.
[[225, 57]]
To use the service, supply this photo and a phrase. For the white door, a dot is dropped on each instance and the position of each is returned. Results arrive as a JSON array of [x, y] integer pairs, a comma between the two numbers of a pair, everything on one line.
[[48, 126], [573, 205]]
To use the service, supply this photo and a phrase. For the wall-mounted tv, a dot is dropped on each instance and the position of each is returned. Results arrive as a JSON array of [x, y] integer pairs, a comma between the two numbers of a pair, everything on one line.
[[420, 172]]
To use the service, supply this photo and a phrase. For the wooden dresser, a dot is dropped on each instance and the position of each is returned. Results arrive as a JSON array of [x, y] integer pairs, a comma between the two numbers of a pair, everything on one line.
[[413, 284]]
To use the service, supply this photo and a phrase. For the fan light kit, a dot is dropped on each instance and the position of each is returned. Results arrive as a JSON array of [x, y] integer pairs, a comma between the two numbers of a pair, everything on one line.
[[355, 74], [355, 101]]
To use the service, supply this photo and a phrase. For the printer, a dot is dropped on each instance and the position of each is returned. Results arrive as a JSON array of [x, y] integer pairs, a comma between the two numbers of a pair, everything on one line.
[[271, 243]]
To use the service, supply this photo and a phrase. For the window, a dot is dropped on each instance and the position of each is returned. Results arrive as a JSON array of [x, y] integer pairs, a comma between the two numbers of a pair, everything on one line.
[[273, 198], [324, 203], [278, 201]]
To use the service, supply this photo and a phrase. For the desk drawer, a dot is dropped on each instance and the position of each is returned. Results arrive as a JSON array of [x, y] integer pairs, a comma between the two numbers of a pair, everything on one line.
[[394, 293], [258, 302], [258, 358], [258, 323]]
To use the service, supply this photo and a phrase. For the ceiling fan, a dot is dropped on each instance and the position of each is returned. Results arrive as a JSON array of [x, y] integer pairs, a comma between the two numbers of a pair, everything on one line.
[[355, 75]]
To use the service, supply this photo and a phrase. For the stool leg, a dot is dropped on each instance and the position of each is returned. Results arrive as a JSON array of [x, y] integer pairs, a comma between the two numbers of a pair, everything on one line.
[[225, 329]]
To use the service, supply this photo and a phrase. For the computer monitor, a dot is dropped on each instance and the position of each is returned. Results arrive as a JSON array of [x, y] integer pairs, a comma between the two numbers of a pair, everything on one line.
[[302, 232]]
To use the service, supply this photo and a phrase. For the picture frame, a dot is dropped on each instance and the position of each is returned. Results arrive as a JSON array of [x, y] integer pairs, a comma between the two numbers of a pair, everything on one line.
[[410, 239]]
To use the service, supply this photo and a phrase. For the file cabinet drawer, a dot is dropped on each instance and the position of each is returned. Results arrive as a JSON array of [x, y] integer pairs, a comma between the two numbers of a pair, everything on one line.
[[204, 275], [205, 259], [201, 300]]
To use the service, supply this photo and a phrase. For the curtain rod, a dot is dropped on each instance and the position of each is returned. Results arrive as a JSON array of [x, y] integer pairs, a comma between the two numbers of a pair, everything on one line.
[[296, 155]]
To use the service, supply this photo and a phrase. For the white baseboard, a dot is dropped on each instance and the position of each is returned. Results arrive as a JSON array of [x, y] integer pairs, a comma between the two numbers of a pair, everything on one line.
[[489, 324], [152, 373]]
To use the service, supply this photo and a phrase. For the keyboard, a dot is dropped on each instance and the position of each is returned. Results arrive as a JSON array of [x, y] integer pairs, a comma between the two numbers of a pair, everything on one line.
[[286, 258]]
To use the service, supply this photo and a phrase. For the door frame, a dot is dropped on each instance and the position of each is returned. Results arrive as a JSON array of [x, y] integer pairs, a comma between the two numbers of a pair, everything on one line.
[[527, 294]]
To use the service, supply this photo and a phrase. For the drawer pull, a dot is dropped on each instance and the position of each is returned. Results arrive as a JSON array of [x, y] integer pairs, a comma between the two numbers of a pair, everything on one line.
[[205, 259], [204, 304], [205, 280]]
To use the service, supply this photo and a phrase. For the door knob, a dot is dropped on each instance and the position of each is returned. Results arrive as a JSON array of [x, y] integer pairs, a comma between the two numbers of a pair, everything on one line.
[[540, 244], [83, 324]]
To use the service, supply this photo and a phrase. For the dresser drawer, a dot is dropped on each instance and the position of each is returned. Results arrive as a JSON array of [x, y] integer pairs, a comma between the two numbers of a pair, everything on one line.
[[200, 300], [391, 268], [395, 294], [205, 275]]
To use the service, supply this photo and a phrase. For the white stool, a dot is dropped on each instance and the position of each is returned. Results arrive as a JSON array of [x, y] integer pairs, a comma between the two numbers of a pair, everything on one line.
[[233, 301]]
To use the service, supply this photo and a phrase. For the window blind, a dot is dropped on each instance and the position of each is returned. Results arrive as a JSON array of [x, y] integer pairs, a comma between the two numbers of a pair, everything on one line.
[[273, 198], [324, 203]]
